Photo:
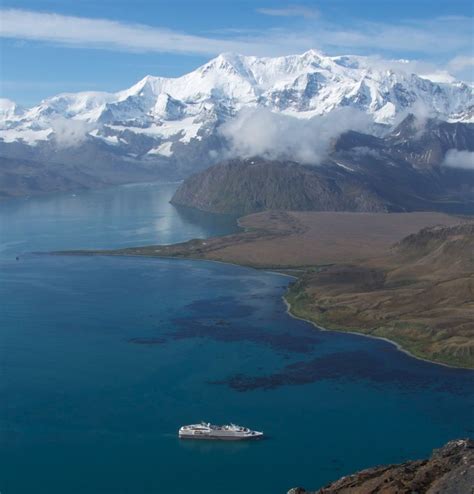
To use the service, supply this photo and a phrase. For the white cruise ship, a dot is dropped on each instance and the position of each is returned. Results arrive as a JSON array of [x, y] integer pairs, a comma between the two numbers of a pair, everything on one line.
[[229, 432]]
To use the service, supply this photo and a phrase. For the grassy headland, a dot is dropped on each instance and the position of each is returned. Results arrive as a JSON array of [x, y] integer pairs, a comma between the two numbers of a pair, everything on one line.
[[420, 295]]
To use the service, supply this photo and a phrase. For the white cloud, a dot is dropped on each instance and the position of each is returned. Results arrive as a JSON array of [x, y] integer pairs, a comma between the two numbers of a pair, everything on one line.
[[259, 132], [439, 76], [461, 62], [437, 35], [68, 132], [290, 11], [459, 159], [104, 33], [365, 151], [422, 113], [437, 38], [462, 66], [432, 36]]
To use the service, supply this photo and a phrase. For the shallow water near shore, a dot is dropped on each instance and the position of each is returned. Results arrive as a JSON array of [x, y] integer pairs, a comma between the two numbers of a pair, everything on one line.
[[103, 359]]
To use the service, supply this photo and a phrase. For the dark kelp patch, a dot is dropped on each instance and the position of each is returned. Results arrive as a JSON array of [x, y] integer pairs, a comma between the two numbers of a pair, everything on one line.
[[351, 365]]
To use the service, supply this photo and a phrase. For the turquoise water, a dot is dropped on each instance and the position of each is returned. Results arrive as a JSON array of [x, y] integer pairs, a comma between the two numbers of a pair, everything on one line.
[[102, 359]]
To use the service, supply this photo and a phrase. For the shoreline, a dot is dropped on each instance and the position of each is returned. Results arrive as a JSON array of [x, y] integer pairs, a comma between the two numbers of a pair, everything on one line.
[[398, 346], [93, 253]]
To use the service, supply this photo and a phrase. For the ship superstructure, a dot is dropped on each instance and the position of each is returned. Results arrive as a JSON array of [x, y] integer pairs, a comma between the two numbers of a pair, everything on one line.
[[230, 432]]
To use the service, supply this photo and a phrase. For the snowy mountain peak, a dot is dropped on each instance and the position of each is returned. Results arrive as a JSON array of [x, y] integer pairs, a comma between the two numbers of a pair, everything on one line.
[[312, 53]]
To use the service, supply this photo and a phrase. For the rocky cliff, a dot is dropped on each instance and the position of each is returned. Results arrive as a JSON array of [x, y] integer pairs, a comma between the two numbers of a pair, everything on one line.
[[450, 470]]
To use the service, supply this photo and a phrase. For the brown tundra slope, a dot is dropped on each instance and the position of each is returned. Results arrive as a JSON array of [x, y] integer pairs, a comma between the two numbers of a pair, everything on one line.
[[420, 295]]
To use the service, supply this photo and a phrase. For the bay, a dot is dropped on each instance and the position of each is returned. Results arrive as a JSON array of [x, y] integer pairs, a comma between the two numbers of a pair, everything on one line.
[[102, 359]]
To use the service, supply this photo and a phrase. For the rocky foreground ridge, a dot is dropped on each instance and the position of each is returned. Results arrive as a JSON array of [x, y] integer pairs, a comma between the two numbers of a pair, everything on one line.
[[449, 470]]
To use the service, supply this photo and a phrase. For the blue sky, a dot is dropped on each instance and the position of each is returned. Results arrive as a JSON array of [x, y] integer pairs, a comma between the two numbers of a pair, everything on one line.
[[52, 46]]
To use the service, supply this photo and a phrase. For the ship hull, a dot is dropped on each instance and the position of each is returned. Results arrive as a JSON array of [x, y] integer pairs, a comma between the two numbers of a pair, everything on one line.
[[202, 437]]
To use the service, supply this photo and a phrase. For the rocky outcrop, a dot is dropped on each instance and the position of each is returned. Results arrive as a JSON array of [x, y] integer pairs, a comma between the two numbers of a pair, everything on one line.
[[451, 247], [450, 470]]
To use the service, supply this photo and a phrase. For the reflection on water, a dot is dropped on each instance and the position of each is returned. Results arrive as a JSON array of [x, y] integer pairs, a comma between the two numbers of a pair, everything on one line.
[[114, 217]]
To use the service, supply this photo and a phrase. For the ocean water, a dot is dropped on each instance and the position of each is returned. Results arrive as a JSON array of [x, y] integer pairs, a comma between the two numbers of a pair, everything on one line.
[[102, 359]]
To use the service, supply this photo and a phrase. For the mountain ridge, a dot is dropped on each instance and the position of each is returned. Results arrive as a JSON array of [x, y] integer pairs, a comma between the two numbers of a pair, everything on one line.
[[299, 85]]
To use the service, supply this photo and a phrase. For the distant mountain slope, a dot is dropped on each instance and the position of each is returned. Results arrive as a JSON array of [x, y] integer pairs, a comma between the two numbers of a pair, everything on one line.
[[22, 177], [245, 186], [175, 121], [402, 171]]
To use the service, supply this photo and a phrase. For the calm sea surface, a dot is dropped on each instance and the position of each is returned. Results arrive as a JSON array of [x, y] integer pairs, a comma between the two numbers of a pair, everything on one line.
[[102, 359]]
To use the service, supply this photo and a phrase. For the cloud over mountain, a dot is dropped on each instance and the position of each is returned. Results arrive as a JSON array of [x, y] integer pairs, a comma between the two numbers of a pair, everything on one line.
[[68, 132], [260, 132], [459, 159]]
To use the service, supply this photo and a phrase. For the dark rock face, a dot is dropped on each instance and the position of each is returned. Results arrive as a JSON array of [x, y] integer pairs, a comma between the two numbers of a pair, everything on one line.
[[403, 171], [427, 145], [245, 186], [450, 470]]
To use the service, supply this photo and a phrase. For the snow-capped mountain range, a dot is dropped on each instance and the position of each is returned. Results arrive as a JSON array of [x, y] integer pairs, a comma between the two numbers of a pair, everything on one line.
[[159, 116]]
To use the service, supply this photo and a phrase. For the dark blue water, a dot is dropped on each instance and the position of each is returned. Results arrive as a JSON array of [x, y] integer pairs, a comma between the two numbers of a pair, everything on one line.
[[102, 359]]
